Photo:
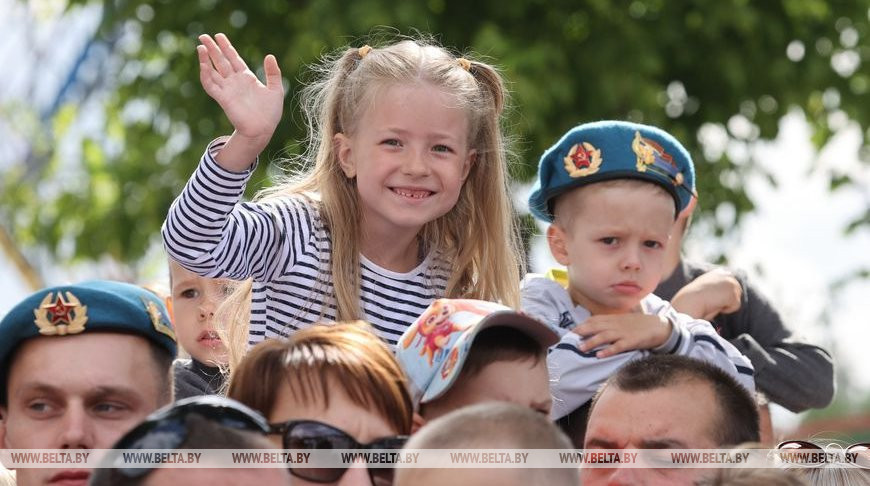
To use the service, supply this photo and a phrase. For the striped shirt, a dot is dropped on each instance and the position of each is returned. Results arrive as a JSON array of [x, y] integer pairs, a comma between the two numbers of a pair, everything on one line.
[[285, 246]]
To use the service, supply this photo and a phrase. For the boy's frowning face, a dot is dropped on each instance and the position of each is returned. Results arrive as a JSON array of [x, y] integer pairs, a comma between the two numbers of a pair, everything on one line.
[[611, 236], [194, 300]]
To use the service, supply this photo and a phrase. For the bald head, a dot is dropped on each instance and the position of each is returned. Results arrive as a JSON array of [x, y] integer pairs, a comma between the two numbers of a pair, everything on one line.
[[492, 425]]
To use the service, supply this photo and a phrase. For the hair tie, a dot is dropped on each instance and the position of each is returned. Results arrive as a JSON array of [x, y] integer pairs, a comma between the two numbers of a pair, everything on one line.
[[464, 63], [364, 50]]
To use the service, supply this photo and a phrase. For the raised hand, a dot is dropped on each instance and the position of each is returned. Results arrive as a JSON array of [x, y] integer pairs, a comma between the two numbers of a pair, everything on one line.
[[622, 332], [713, 293], [253, 108]]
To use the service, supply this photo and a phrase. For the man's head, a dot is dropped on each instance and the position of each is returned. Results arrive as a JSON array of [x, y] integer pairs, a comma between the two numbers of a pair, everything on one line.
[[489, 425], [460, 352], [194, 301], [667, 402], [82, 364]]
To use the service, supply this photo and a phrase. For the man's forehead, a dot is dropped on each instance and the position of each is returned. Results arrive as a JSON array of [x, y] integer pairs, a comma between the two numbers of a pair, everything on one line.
[[677, 415], [95, 348], [95, 361]]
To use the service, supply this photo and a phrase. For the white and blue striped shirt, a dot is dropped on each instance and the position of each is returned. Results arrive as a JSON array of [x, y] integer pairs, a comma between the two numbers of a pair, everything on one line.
[[284, 245]]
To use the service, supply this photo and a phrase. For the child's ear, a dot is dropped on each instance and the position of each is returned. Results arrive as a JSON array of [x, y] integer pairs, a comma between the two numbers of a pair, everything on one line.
[[341, 146], [557, 239], [470, 160]]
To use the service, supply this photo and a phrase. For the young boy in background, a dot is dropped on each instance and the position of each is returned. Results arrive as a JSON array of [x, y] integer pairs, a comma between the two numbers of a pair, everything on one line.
[[193, 303], [461, 351], [612, 191]]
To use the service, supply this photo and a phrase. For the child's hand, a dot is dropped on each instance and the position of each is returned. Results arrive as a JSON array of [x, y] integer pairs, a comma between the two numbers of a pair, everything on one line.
[[253, 108], [716, 292], [623, 332]]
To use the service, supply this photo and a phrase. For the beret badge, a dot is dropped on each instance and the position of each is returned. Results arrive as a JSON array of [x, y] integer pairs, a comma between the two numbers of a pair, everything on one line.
[[66, 316], [582, 160], [157, 319]]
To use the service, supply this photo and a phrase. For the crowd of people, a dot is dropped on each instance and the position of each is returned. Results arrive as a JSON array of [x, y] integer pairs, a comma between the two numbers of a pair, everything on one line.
[[378, 301]]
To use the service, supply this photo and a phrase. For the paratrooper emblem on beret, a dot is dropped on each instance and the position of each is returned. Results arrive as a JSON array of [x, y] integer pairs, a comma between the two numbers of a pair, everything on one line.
[[60, 317], [157, 319], [582, 160]]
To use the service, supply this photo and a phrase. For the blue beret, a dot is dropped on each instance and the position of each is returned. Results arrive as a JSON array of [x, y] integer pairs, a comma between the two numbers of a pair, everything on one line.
[[605, 150], [99, 305]]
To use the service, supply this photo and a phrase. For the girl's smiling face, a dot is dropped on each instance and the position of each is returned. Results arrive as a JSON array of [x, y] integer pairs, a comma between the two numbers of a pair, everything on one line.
[[410, 156]]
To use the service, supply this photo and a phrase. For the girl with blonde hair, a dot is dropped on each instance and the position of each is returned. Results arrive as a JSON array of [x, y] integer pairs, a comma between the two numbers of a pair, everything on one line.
[[404, 199]]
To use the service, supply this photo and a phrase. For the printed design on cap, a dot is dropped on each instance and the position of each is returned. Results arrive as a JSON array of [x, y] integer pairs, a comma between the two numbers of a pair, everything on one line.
[[651, 155], [67, 316], [435, 327], [582, 160], [450, 363], [157, 319]]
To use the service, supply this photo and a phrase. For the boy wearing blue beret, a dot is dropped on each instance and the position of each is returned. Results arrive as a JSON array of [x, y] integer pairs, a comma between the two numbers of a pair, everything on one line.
[[612, 191], [80, 365]]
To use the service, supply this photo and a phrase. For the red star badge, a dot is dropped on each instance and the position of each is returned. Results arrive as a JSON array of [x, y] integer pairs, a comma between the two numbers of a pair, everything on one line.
[[60, 310], [580, 157]]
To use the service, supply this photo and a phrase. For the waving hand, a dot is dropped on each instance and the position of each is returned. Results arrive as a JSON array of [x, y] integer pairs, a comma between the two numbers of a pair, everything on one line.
[[253, 108]]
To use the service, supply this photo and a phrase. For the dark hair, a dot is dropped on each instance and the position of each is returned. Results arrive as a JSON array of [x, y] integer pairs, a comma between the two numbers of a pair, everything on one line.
[[738, 414], [162, 361], [202, 433], [5, 367], [501, 343]]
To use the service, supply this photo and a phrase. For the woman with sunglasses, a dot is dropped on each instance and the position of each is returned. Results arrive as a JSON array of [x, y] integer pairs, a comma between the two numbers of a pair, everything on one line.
[[328, 387]]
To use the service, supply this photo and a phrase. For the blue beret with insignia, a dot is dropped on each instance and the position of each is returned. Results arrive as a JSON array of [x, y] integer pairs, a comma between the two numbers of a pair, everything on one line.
[[99, 305], [606, 150]]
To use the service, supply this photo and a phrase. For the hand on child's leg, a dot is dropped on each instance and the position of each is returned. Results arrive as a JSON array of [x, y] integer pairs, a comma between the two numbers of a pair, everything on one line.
[[622, 332]]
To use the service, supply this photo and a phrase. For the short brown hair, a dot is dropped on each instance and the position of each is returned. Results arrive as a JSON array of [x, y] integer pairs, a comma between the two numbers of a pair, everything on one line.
[[501, 343], [348, 354], [737, 416]]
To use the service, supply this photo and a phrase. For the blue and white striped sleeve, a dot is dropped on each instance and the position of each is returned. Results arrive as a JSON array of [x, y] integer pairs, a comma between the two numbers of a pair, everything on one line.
[[209, 231]]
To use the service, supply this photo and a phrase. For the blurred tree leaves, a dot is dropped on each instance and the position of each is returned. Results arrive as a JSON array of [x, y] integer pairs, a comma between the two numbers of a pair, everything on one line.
[[734, 67]]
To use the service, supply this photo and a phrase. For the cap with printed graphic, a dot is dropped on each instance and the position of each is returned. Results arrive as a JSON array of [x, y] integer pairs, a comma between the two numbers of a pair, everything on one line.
[[434, 348]]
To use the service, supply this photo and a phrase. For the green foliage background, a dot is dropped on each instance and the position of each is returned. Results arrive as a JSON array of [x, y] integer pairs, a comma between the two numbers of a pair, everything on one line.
[[567, 62]]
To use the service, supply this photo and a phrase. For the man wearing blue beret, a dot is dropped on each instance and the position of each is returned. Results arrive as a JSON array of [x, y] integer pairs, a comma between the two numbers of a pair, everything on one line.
[[80, 365], [612, 191]]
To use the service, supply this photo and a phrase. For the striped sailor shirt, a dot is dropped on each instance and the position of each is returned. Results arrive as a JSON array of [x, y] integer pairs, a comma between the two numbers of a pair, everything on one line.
[[285, 246]]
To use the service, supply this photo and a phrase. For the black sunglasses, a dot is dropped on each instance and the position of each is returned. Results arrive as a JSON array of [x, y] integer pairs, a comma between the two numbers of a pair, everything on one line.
[[794, 448], [311, 434], [167, 428]]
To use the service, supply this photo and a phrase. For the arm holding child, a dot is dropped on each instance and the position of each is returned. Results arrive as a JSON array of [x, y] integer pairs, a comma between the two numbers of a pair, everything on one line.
[[789, 371]]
